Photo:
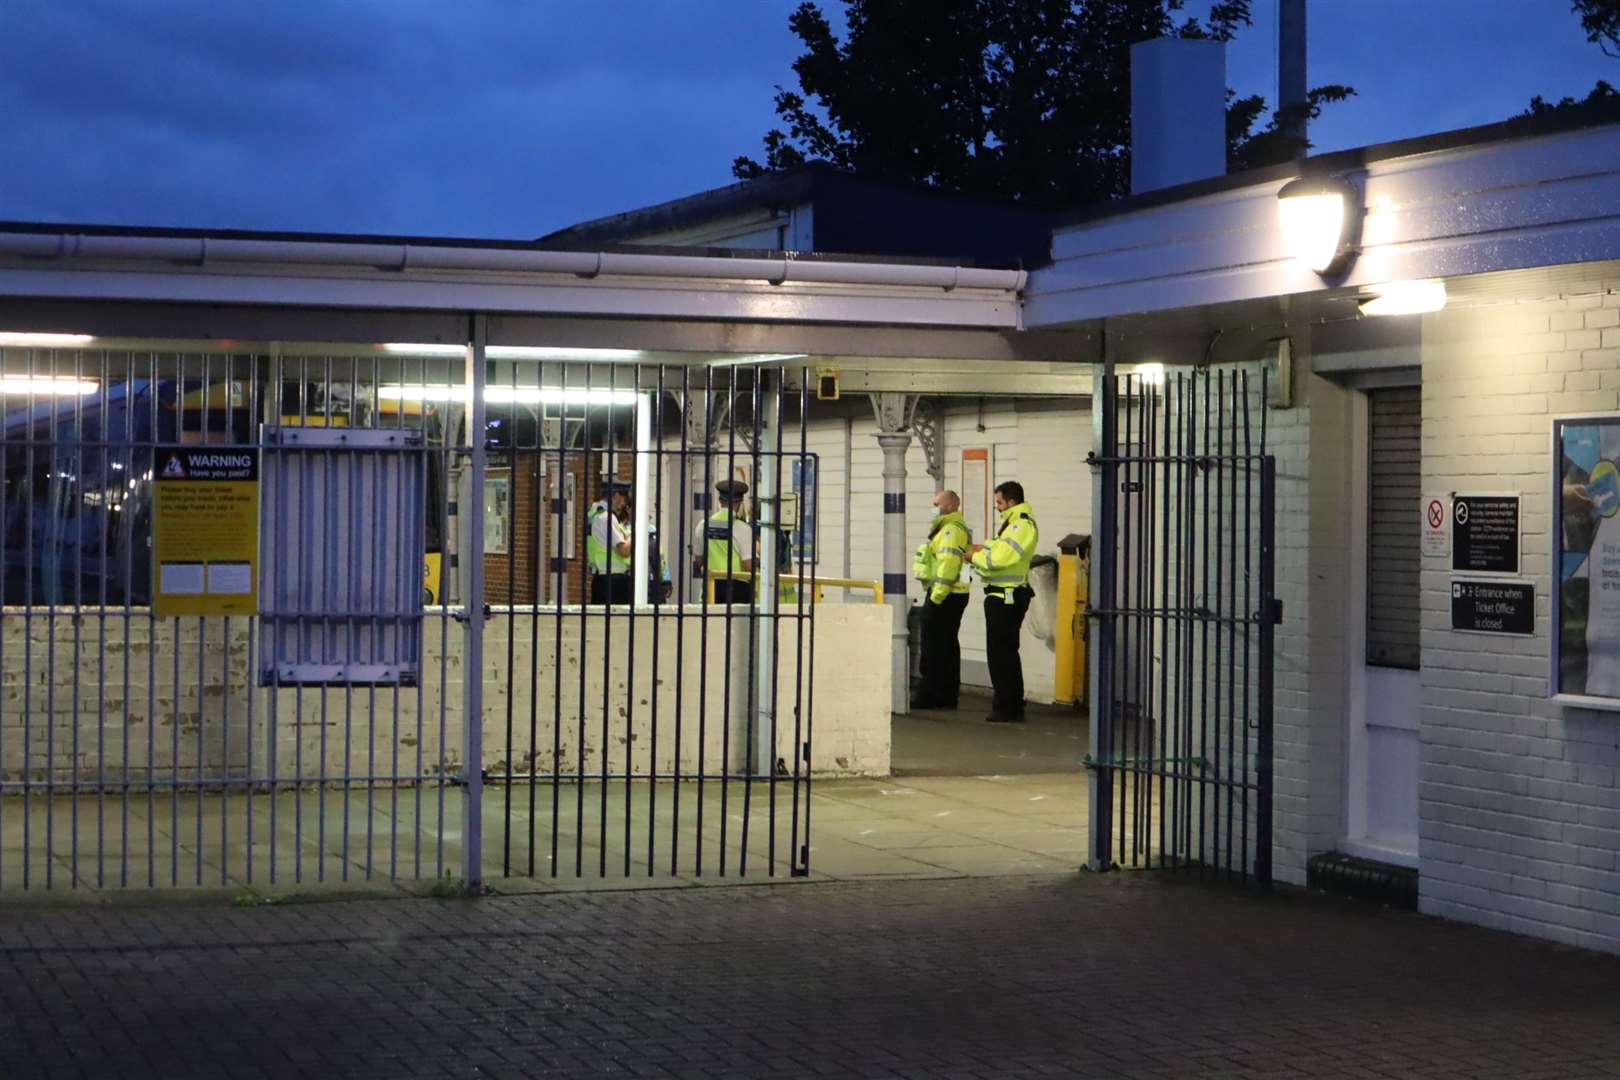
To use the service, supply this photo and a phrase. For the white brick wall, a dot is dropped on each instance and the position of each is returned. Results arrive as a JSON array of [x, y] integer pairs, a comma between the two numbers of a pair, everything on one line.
[[1518, 802]]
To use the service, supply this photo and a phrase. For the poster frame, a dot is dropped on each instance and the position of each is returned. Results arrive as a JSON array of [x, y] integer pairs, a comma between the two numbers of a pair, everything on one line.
[[1555, 591]]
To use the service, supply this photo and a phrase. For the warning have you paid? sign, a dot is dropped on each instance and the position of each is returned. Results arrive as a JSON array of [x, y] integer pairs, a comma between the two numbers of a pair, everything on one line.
[[205, 532]]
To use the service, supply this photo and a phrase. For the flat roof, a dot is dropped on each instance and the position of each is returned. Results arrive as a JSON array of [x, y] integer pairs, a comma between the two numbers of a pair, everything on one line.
[[1575, 118]]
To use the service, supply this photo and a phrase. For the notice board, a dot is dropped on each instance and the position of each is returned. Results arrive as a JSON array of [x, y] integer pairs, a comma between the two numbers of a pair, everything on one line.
[[205, 531]]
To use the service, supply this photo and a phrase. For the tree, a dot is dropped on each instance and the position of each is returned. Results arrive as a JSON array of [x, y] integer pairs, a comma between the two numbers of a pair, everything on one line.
[[1018, 99], [1601, 21]]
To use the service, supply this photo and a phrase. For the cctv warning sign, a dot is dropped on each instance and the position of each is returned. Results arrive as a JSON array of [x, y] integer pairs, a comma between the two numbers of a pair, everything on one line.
[[205, 532]]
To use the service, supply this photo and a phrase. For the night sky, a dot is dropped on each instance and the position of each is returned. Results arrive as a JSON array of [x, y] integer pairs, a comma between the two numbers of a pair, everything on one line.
[[510, 118]]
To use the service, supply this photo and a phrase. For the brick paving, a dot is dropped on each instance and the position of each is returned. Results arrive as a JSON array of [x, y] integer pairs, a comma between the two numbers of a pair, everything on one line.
[[1005, 978]]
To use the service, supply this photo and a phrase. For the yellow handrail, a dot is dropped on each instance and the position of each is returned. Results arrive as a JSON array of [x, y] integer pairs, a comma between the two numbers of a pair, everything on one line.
[[817, 584]]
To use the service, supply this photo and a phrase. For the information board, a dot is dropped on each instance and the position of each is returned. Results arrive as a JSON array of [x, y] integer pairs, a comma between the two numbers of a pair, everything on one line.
[[205, 531], [1493, 607], [1485, 534]]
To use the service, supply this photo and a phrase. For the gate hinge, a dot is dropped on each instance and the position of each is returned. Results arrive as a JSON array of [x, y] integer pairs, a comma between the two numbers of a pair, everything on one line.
[[1275, 612]]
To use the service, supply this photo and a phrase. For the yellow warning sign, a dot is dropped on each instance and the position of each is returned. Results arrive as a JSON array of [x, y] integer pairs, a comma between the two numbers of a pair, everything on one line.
[[205, 532]]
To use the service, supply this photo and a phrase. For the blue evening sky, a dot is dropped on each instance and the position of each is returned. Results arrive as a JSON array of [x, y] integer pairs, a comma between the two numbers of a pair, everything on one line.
[[510, 118]]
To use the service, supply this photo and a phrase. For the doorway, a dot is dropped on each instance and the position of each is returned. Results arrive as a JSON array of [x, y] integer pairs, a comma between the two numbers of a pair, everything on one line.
[[1384, 631]]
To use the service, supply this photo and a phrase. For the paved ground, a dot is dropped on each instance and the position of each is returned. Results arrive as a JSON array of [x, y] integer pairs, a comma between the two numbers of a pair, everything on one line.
[[1012, 800], [938, 742], [1006, 978]]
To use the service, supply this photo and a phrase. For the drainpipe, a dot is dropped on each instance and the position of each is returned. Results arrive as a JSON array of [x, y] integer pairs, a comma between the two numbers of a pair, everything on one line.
[[894, 413]]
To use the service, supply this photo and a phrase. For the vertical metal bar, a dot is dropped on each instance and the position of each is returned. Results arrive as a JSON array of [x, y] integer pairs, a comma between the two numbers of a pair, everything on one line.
[[1248, 614], [684, 514], [656, 573], [105, 505], [638, 588], [511, 458], [776, 621], [1222, 857], [1127, 626], [250, 788], [560, 590], [584, 632], [473, 605], [1183, 680], [1203, 645], [806, 492], [52, 598], [607, 633], [153, 436], [1163, 602], [536, 472], [1232, 721], [448, 440], [703, 614], [1104, 500], [1263, 747], [764, 580], [809, 715], [730, 610], [127, 539]]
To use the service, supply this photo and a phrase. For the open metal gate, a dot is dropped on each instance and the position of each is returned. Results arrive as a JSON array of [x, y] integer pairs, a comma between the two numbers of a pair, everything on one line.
[[280, 614], [1185, 605]]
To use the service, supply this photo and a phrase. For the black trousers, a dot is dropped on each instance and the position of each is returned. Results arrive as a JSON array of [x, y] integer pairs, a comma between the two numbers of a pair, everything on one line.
[[728, 591], [611, 589], [941, 662], [1002, 623]]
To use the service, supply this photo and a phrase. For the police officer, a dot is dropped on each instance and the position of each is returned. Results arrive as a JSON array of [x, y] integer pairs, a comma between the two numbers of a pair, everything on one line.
[[727, 542], [1003, 566], [609, 546], [938, 566]]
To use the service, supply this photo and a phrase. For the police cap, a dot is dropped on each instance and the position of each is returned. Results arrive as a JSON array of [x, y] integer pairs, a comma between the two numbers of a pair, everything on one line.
[[731, 489]]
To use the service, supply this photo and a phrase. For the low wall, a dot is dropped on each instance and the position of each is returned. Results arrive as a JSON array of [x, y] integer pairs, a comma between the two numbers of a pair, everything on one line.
[[89, 696]]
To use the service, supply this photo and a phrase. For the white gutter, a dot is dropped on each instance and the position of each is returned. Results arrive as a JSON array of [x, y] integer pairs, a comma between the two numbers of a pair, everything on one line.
[[207, 251]]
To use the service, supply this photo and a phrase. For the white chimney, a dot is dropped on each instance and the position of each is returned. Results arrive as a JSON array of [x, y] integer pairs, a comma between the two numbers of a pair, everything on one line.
[[1178, 112]]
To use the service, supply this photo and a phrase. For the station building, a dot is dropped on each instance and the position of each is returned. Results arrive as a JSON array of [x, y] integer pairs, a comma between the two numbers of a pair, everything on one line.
[[1403, 390]]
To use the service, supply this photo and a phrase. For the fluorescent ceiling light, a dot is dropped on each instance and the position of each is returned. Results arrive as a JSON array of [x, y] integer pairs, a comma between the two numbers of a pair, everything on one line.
[[47, 385], [519, 395], [10, 337], [514, 352], [1319, 217], [1406, 298], [1151, 374]]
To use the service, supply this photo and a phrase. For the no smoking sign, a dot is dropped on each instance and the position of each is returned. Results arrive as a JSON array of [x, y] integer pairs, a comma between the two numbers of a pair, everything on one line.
[[1436, 536]]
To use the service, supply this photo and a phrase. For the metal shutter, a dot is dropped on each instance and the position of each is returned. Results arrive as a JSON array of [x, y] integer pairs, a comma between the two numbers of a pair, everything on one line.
[[1394, 482]]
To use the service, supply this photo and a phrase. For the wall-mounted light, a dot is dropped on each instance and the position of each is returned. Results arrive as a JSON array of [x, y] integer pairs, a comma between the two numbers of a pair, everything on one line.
[[1321, 222], [513, 352], [518, 395], [1406, 298], [43, 341], [1151, 374], [47, 386]]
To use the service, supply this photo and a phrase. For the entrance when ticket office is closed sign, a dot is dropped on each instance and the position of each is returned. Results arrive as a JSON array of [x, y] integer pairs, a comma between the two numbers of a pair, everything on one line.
[[205, 531]]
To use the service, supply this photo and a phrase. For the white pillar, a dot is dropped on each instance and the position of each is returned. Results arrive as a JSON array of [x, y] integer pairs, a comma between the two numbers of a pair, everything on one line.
[[894, 412]]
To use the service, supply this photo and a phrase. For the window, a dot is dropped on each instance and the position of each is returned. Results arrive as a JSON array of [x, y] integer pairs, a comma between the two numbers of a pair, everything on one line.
[[1394, 497]]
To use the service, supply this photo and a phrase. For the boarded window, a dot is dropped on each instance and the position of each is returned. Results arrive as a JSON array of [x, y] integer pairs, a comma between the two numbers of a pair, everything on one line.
[[1394, 475]]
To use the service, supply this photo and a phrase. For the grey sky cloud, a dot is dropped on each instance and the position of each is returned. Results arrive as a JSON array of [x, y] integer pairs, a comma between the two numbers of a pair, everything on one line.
[[512, 118]]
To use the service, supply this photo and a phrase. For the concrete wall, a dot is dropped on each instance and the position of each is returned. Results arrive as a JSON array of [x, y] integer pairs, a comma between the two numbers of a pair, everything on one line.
[[1519, 802], [81, 698]]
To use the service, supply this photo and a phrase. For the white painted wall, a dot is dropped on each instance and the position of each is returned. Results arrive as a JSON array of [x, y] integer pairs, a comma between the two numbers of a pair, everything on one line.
[[1519, 796]]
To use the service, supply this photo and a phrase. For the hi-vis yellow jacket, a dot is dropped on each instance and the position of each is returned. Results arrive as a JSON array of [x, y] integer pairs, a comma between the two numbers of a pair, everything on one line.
[[1003, 563], [938, 564]]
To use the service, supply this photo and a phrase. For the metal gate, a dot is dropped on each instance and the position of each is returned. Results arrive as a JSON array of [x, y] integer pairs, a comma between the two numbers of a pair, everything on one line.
[[1185, 608], [404, 676]]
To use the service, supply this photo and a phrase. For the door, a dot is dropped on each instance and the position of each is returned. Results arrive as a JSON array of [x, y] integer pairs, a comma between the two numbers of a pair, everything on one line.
[[1386, 683]]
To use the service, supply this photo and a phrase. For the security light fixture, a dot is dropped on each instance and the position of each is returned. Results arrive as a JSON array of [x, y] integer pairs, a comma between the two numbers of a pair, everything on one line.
[[1406, 298], [512, 352], [518, 395], [1151, 374], [47, 386], [1321, 222], [43, 341]]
